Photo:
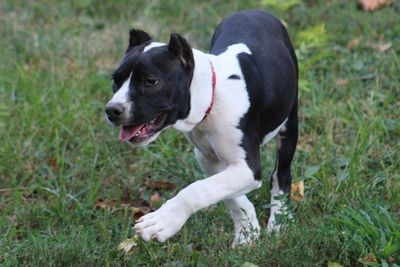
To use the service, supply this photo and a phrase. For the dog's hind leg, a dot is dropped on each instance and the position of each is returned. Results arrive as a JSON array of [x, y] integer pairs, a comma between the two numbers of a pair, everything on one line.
[[281, 179], [240, 208]]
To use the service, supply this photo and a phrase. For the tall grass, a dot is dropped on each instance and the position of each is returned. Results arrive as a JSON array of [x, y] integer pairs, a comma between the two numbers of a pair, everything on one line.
[[58, 157]]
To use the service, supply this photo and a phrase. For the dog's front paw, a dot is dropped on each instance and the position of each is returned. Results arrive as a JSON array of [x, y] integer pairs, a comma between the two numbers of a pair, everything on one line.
[[162, 223]]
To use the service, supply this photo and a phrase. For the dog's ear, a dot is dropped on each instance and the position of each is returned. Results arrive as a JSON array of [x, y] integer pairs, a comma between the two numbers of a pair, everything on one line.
[[182, 50], [137, 37]]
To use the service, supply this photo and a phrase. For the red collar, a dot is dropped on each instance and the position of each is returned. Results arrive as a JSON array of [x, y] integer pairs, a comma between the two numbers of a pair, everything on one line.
[[214, 82]]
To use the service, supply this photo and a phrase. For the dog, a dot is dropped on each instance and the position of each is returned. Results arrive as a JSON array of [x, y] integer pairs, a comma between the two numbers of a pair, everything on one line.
[[228, 102]]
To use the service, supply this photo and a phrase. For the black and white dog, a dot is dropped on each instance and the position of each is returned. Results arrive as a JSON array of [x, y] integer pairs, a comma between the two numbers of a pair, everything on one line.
[[228, 102]]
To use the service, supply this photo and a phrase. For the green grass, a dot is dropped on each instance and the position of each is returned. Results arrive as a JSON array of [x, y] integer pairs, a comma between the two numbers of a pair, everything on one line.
[[58, 156]]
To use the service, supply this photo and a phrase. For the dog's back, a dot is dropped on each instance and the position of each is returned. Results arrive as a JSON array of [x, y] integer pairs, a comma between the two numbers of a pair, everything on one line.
[[270, 71]]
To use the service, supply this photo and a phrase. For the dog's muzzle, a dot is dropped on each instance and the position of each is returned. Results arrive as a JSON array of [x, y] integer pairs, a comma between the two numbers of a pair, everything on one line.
[[117, 113], [114, 111]]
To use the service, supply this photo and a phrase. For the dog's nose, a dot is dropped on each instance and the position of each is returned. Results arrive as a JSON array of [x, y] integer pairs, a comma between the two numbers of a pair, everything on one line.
[[114, 110]]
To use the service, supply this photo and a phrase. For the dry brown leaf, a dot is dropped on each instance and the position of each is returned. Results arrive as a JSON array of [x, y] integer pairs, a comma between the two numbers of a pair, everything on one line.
[[129, 243], [53, 163], [353, 43], [105, 205], [137, 213], [100, 204], [384, 47], [297, 192], [342, 82], [112, 205], [370, 258], [157, 185], [372, 5]]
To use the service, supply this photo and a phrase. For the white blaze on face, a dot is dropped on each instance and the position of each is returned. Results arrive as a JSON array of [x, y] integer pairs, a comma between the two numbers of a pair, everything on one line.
[[152, 45], [122, 95]]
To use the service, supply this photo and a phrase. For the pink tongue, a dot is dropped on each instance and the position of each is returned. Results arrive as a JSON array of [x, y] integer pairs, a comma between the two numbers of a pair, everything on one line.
[[127, 132]]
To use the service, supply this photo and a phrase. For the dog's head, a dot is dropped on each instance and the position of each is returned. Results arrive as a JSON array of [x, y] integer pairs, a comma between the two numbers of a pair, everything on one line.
[[151, 87]]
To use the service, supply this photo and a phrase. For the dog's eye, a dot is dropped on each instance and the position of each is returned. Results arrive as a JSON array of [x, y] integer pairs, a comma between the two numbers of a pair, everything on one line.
[[114, 87], [151, 82]]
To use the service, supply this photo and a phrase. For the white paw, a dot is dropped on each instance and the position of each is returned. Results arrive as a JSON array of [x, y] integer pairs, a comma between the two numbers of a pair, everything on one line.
[[247, 235], [162, 223], [247, 229]]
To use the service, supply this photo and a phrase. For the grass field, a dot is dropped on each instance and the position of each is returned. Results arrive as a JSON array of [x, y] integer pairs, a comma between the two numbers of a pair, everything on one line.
[[58, 157]]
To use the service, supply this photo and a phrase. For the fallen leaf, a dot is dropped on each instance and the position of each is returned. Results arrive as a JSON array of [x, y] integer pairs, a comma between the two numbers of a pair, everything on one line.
[[372, 5], [157, 185], [104, 205], [370, 258], [112, 205], [100, 204], [342, 82], [353, 43], [384, 47], [53, 163], [297, 192], [129, 243], [137, 213]]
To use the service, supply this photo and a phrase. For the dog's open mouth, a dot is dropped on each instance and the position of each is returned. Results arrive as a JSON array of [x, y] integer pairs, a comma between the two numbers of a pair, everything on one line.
[[140, 133]]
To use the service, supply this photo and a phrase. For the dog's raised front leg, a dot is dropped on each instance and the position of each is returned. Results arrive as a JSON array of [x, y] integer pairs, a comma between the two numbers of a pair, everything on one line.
[[240, 208], [236, 180]]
